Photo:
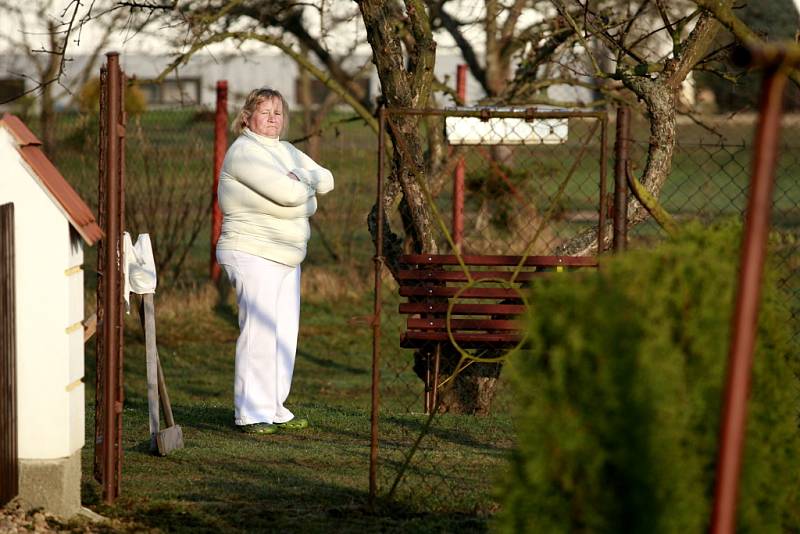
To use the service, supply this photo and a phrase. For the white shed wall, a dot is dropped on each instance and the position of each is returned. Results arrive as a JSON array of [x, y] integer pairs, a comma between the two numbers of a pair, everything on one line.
[[50, 415]]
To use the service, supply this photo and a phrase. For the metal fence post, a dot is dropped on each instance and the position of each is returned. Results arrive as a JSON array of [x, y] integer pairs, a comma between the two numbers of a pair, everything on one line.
[[603, 215], [620, 183], [745, 318], [108, 434], [220, 146]]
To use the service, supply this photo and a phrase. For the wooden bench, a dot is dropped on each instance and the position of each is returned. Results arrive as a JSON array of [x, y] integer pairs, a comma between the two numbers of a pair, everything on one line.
[[486, 315]]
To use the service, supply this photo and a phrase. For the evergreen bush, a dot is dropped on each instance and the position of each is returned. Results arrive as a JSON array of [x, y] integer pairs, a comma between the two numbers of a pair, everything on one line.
[[617, 402]]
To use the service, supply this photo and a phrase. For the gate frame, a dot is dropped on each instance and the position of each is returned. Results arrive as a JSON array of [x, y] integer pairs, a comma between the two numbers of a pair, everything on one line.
[[529, 114]]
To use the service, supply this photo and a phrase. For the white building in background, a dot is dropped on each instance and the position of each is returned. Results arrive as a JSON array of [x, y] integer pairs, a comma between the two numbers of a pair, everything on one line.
[[195, 83]]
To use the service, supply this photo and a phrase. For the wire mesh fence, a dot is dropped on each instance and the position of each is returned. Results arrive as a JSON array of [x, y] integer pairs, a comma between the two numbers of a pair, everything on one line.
[[710, 181]]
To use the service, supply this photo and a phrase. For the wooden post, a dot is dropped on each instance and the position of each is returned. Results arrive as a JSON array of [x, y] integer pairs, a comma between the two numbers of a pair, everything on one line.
[[171, 437], [9, 462], [147, 316]]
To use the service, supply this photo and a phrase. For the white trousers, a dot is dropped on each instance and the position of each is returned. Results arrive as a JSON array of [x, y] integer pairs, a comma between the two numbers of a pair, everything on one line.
[[268, 294]]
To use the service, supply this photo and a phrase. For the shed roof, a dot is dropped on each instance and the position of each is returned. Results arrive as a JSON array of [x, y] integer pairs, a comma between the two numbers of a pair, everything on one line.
[[78, 213]]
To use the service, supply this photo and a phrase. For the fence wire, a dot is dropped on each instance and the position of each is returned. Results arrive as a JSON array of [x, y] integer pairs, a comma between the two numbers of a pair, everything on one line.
[[168, 180], [710, 181]]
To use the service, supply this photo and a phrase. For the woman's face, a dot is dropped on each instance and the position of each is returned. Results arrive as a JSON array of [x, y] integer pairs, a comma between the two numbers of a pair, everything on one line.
[[267, 119]]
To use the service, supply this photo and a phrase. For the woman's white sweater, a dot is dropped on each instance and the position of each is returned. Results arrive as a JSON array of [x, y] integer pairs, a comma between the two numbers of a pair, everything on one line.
[[265, 212]]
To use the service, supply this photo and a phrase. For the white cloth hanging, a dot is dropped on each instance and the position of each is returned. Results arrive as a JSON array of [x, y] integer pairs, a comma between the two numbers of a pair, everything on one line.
[[138, 267]]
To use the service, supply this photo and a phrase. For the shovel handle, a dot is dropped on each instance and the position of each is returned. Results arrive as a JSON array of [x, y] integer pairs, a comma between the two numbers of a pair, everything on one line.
[[147, 316], [163, 396], [148, 321]]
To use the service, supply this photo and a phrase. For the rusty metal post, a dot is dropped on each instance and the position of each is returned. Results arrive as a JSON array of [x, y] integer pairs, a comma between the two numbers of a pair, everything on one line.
[[458, 178], [603, 215], [220, 146], [745, 318], [122, 121], [110, 286], [376, 314], [621, 145]]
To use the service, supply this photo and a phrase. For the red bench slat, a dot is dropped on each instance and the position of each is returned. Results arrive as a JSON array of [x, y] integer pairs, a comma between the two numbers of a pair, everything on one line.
[[530, 261], [411, 340], [463, 324], [473, 292], [462, 309], [461, 276]]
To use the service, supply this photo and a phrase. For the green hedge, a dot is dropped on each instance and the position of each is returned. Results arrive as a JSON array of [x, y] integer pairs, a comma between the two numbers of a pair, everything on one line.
[[618, 401]]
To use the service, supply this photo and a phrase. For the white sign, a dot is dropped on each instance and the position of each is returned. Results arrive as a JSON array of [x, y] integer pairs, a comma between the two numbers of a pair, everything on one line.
[[506, 131]]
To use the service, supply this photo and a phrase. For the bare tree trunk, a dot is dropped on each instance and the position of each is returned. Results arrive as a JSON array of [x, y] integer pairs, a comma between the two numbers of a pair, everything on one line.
[[306, 100], [404, 85], [47, 105], [47, 121]]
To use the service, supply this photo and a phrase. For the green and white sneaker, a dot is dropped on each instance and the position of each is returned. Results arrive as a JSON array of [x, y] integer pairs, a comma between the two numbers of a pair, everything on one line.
[[258, 428], [298, 423]]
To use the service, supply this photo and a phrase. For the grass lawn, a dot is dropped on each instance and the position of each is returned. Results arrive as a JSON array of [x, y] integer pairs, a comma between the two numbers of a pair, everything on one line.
[[314, 480]]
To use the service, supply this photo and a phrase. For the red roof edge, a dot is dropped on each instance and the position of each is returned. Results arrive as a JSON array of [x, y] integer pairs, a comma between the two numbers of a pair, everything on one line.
[[20, 131], [77, 211]]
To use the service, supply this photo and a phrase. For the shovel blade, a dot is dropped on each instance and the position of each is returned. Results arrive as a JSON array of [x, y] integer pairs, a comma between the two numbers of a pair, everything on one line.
[[169, 439]]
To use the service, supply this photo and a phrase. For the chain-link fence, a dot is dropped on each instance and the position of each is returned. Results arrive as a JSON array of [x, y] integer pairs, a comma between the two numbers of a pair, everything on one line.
[[509, 188], [710, 180], [169, 176]]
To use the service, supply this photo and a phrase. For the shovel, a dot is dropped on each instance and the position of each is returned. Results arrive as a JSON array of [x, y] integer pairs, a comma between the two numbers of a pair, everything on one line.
[[164, 441]]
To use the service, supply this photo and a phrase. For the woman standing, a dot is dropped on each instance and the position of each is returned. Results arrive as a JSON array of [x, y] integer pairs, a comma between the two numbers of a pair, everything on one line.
[[267, 192]]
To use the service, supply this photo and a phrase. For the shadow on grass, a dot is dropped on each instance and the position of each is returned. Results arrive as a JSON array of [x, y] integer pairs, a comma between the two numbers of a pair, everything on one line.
[[246, 500], [327, 363], [261, 486], [482, 435]]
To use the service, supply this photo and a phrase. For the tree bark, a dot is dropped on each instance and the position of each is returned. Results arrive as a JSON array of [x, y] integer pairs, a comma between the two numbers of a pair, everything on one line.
[[404, 85]]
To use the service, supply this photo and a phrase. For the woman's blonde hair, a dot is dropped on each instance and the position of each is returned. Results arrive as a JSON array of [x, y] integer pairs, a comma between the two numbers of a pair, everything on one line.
[[252, 101]]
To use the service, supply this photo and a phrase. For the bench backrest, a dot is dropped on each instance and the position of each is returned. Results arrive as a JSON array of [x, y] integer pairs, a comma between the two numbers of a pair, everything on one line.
[[485, 315]]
